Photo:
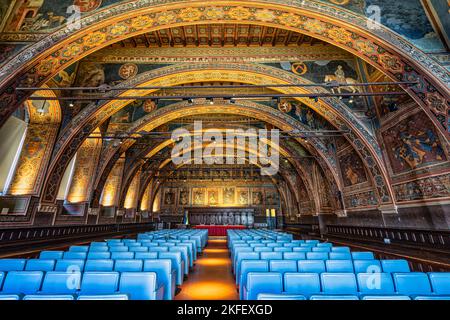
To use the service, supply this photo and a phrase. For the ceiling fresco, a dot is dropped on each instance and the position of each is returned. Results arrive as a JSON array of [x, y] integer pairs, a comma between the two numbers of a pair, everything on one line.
[[406, 17]]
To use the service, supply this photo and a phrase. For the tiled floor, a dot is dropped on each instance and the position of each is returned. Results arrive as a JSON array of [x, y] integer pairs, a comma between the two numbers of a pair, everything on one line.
[[211, 278]]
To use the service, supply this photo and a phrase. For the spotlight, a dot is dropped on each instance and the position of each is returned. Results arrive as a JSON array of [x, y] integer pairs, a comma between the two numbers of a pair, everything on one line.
[[210, 100], [71, 104], [351, 100], [190, 101]]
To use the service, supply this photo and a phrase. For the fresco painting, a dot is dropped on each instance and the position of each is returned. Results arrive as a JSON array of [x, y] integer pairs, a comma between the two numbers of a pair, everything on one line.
[[213, 197], [228, 195], [272, 198], [413, 143], [243, 197], [257, 197], [169, 197], [408, 18], [198, 196], [352, 169], [320, 71], [428, 188], [183, 199]]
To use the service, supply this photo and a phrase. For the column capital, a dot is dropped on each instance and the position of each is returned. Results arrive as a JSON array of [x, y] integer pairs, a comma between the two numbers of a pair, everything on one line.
[[93, 211], [48, 207], [388, 209], [341, 213]]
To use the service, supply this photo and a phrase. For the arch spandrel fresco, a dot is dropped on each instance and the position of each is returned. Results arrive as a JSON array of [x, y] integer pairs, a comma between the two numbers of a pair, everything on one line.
[[385, 60], [407, 159]]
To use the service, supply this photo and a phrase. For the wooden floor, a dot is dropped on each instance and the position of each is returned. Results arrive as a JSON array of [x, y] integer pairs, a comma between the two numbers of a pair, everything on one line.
[[212, 277]]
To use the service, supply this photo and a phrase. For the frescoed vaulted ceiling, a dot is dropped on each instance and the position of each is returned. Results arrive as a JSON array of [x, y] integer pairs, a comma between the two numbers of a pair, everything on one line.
[[387, 151]]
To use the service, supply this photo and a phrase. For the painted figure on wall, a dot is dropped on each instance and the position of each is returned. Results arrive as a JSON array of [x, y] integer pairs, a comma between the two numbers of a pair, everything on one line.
[[184, 197], [4, 5], [413, 143], [213, 197], [272, 198], [228, 196], [352, 169], [257, 198], [310, 118], [243, 197], [414, 148], [169, 198], [46, 15], [199, 196], [340, 77], [87, 5], [302, 192]]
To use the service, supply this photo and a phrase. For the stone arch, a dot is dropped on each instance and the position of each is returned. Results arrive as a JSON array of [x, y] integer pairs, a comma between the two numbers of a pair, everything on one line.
[[330, 108], [42, 129], [167, 162], [266, 113], [283, 151], [382, 48], [112, 153]]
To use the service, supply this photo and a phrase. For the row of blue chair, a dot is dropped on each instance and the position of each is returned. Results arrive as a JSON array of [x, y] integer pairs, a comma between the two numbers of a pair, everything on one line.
[[135, 285], [341, 252], [200, 236], [167, 273], [256, 234], [314, 265], [186, 249], [413, 284], [399, 265], [167, 258], [320, 266]]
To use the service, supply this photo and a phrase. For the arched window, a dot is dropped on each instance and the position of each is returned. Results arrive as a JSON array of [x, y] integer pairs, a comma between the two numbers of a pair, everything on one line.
[[13, 135]]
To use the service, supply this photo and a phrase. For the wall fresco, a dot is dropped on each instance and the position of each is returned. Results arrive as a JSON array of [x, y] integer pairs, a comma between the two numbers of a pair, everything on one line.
[[413, 143], [428, 188], [358, 200], [111, 189], [82, 179]]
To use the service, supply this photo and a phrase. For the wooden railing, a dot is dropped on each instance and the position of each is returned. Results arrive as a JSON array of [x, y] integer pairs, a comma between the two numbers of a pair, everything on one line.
[[419, 238], [18, 237], [309, 229], [425, 250]]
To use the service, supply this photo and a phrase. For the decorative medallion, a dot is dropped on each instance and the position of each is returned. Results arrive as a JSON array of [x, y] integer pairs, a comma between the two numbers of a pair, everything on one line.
[[128, 70], [87, 5], [285, 106], [149, 106], [299, 68]]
